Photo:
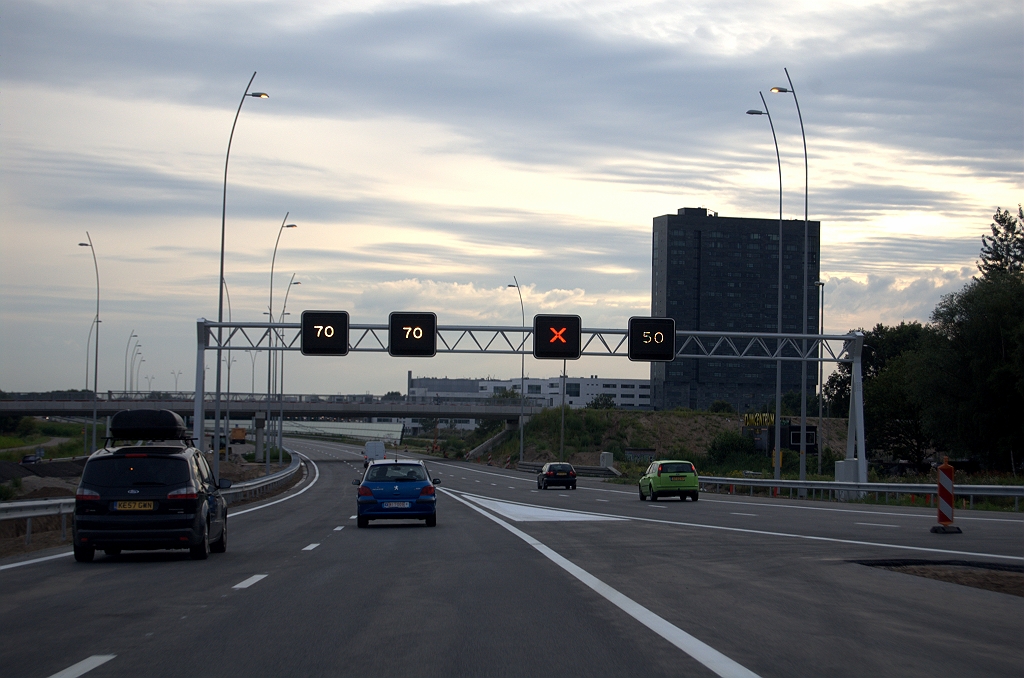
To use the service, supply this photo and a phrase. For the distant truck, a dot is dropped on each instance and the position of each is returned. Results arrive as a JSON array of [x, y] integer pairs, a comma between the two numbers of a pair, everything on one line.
[[237, 436], [372, 451]]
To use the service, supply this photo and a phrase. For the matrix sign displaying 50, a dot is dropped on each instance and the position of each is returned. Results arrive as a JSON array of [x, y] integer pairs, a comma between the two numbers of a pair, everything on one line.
[[324, 333]]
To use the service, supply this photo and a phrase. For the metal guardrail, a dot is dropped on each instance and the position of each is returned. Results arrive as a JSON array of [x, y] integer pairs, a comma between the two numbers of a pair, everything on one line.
[[971, 491], [65, 506]]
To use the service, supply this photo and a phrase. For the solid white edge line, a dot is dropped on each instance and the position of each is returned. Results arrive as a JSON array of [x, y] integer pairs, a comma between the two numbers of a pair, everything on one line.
[[246, 583], [746, 503], [702, 652], [316, 477], [84, 666], [34, 560], [834, 540]]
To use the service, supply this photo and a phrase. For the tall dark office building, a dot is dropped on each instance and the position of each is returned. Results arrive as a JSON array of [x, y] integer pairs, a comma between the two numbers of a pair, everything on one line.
[[721, 274]]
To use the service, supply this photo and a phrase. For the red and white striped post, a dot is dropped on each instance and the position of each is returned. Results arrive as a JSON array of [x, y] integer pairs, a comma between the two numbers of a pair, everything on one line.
[[946, 525]]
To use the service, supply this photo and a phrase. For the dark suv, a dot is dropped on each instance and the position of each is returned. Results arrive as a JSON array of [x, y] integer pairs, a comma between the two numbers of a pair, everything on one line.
[[159, 495], [556, 473]]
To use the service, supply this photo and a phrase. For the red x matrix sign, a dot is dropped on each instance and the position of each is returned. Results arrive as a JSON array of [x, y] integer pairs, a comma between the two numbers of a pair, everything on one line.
[[557, 337]]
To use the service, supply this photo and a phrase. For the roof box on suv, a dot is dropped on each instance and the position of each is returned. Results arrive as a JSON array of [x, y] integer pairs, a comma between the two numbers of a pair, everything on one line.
[[147, 425]]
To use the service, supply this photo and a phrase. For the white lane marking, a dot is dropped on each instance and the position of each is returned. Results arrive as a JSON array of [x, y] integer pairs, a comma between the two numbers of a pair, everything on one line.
[[339, 528], [876, 525], [563, 495], [35, 560], [656, 506], [511, 488], [604, 500], [494, 484], [703, 653], [311, 547], [725, 501], [316, 477], [862, 512], [352, 517], [84, 666], [533, 491], [246, 583], [767, 533], [742, 514], [520, 513]]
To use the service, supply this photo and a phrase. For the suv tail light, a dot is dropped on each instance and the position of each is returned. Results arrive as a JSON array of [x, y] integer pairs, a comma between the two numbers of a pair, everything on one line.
[[659, 470], [187, 492], [427, 491], [83, 493], [364, 491]]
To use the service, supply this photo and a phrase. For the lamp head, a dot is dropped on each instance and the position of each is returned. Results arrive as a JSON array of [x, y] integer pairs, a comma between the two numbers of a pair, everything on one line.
[[297, 282], [291, 225], [260, 95], [780, 90], [511, 285], [83, 244]]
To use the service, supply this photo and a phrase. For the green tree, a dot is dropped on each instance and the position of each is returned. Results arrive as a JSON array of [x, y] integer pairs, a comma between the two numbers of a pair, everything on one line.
[[604, 401], [722, 406], [1003, 251], [392, 396], [969, 377]]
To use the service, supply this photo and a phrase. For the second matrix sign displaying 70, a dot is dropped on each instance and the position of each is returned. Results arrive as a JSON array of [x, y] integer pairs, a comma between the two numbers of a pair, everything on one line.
[[555, 336]]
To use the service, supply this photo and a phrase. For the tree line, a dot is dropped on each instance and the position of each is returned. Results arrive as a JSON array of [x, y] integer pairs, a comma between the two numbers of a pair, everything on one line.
[[956, 384]]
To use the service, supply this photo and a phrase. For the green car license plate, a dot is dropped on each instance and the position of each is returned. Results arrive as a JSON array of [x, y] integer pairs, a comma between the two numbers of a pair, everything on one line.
[[395, 504], [677, 479]]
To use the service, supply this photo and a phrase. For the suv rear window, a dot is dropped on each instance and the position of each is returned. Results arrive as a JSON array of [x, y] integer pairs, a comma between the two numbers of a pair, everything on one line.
[[396, 473], [677, 468], [136, 472]]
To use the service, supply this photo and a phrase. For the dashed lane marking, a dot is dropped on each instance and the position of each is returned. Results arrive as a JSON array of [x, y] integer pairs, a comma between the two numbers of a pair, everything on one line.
[[876, 525], [311, 547], [352, 517], [246, 583], [339, 528], [742, 514], [84, 666]]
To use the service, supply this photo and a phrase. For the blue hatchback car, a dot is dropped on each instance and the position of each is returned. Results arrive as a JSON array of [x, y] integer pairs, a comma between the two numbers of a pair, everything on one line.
[[394, 489]]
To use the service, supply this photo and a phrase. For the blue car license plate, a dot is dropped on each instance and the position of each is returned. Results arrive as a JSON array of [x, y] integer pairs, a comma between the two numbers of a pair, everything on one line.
[[395, 504]]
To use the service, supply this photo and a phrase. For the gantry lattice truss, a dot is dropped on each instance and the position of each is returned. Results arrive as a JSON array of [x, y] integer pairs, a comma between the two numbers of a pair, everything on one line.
[[498, 340], [511, 340]]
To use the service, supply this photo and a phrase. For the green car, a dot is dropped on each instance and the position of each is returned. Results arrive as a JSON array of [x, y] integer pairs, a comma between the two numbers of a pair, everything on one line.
[[669, 478]]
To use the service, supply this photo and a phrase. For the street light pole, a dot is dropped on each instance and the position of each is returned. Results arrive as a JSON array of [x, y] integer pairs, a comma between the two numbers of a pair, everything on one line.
[[131, 336], [803, 363], [220, 278], [821, 368], [138, 368], [175, 375], [271, 363], [522, 369], [777, 460], [136, 353], [96, 356], [280, 430]]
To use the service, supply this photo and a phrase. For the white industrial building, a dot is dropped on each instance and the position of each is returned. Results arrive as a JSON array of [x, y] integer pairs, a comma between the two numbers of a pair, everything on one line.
[[579, 391]]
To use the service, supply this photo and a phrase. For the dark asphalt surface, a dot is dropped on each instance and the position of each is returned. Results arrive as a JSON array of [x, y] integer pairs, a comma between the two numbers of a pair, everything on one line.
[[769, 584]]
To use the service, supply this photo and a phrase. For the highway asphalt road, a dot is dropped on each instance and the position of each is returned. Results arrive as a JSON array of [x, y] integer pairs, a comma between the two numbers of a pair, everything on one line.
[[519, 582]]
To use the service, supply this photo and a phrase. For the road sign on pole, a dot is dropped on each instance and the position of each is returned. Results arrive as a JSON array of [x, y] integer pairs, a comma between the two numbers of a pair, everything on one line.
[[412, 334], [652, 339], [324, 333], [557, 337]]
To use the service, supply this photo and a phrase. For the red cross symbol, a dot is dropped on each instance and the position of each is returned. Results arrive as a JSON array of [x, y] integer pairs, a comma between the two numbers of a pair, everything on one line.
[[558, 335]]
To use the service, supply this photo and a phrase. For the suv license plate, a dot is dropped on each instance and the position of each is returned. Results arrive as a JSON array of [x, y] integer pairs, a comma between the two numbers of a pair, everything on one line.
[[134, 506], [395, 504]]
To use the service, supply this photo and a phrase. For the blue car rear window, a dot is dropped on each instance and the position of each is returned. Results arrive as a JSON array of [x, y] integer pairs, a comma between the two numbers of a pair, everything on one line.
[[677, 468], [136, 472], [396, 473]]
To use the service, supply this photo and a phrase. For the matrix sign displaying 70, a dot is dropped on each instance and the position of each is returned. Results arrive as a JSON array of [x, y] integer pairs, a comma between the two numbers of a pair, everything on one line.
[[324, 333]]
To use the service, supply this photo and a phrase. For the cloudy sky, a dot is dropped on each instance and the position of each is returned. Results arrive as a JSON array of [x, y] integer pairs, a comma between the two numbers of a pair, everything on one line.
[[428, 152]]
